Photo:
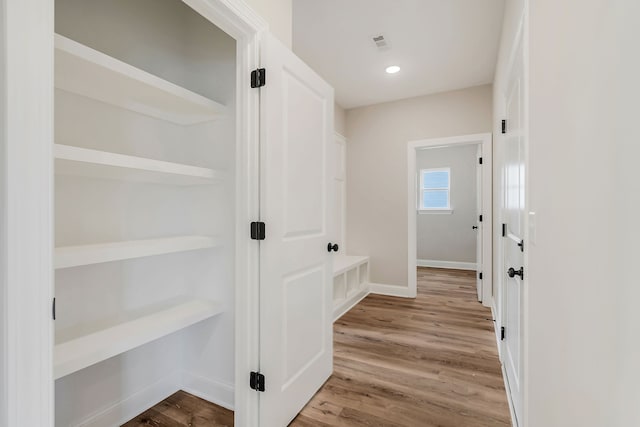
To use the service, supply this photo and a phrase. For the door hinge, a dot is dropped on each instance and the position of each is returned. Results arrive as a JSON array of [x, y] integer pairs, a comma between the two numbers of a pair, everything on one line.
[[258, 230], [521, 244], [504, 230], [502, 333], [480, 218], [480, 276], [258, 77], [256, 381], [480, 160], [53, 309], [504, 126]]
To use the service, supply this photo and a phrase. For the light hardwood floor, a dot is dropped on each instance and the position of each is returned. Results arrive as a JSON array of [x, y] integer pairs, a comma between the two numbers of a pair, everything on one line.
[[426, 362]]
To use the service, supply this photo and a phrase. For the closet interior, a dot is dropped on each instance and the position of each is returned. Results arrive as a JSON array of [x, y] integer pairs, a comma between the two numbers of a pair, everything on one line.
[[145, 153]]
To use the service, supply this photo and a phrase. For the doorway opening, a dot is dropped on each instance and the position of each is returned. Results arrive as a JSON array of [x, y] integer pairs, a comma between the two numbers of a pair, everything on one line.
[[449, 208]]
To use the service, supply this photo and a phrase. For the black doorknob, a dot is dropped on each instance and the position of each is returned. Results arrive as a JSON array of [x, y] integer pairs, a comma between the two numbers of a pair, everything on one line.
[[475, 227], [332, 247], [512, 272]]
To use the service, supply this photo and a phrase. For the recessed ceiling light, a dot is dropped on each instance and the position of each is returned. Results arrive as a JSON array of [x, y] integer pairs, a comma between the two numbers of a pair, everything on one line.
[[392, 69]]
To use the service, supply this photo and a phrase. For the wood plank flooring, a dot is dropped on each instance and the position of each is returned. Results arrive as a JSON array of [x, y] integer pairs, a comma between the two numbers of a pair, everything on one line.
[[183, 409], [398, 362]]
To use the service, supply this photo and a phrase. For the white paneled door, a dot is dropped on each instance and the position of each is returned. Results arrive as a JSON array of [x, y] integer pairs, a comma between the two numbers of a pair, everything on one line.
[[295, 266], [513, 216]]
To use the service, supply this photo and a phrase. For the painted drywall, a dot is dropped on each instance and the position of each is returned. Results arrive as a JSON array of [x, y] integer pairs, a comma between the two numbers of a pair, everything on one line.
[[581, 309], [377, 168], [4, 420], [449, 237], [278, 14], [583, 319], [340, 119]]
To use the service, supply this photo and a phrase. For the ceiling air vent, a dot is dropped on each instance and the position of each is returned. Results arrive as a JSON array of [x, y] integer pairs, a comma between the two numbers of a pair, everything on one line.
[[380, 42]]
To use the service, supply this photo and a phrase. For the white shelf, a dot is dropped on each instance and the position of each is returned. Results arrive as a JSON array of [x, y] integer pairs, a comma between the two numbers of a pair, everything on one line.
[[74, 256], [87, 72], [76, 161], [87, 350], [347, 262]]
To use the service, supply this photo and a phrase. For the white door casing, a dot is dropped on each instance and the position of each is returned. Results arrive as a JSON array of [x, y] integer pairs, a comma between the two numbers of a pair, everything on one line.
[[479, 224], [339, 191], [513, 216], [296, 347], [485, 141]]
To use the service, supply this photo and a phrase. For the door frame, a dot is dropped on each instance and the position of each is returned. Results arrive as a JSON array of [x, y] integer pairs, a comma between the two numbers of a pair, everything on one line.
[[26, 206], [485, 141], [520, 46]]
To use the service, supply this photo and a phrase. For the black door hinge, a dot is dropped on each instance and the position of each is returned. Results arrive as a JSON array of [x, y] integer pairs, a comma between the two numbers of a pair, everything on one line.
[[480, 160], [480, 218], [480, 276], [258, 77], [53, 309], [504, 126], [258, 230], [504, 230], [502, 333], [521, 244], [256, 381]]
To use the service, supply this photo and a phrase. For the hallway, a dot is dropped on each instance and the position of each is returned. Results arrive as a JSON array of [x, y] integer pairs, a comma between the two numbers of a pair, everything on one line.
[[426, 362], [431, 361]]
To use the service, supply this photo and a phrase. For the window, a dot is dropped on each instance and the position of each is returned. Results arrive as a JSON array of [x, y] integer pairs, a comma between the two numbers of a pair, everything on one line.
[[435, 185]]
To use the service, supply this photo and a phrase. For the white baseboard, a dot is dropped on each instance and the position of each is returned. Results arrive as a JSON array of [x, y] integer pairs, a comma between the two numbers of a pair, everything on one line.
[[454, 265], [218, 392], [121, 412], [349, 303], [514, 419], [390, 290]]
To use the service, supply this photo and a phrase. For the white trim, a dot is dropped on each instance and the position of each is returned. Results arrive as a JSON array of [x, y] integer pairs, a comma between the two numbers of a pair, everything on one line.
[[128, 408], [27, 221], [350, 302], [391, 290], [512, 412], [218, 392], [340, 139], [454, 265], [435, 211], [485, 141]]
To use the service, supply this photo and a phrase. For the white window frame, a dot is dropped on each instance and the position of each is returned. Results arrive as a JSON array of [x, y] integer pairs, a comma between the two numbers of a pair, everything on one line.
[[421, 189]]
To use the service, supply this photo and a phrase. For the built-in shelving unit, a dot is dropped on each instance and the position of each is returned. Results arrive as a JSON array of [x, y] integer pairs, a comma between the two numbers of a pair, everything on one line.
[[350, 282], [145, 149], [76, 161], [74, 256], [120, 84], [83, 351]]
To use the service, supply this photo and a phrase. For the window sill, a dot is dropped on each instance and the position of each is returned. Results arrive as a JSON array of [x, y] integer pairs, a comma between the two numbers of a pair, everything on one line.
[[435, 211]]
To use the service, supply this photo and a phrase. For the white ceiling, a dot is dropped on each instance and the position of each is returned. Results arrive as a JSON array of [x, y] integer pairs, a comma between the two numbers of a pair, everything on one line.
[[440, 45]]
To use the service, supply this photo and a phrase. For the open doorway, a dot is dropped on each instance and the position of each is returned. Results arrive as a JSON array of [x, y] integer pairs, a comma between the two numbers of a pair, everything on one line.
[[449, 208]]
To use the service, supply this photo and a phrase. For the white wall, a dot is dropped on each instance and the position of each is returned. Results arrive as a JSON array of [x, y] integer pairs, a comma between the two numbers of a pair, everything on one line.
[[449, 237], [3, 250], [377, 168], [584, 94], [583, 323], [278, 14]]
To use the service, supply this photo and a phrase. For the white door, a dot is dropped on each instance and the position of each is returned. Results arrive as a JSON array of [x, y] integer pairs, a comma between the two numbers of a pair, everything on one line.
[[478, 227], [296, 347], [513, 216]]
